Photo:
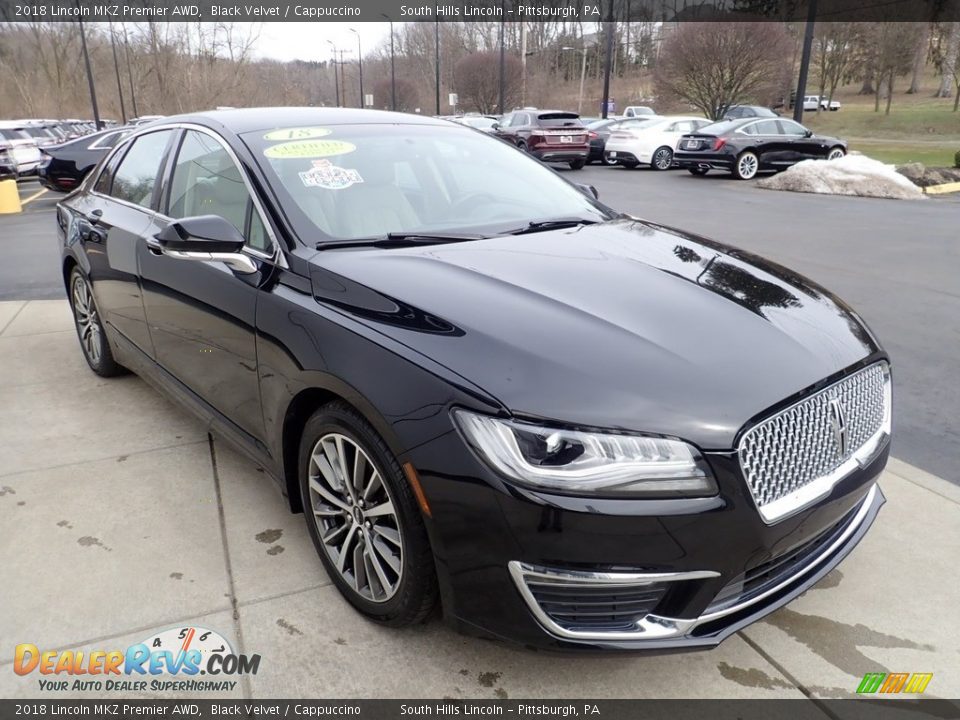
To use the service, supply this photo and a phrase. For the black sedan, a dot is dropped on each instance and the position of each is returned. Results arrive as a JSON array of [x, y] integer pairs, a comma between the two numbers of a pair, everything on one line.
[[751, 145], [63, 167], [484, 388]]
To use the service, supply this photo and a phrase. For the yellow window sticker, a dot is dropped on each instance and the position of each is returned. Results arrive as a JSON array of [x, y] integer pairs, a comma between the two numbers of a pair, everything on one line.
[[300, 133], [309, 149]]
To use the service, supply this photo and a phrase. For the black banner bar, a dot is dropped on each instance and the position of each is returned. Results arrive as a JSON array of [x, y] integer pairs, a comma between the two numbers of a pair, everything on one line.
[[117, 709], [475, 10]]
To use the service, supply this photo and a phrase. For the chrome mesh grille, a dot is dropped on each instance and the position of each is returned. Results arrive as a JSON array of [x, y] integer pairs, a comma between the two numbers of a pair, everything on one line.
[[801, 444]]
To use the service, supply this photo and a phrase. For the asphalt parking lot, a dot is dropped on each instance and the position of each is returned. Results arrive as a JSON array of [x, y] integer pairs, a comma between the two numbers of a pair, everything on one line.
[[120, 517]]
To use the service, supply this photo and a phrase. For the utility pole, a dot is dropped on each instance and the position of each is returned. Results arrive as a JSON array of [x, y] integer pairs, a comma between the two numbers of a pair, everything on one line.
[[523, 63], [436, 42], [805, 61], [86, 62], [503, 61], [608, 61], [336, 80], [393, 68], [126, 51], [116, 67], [343, 79]]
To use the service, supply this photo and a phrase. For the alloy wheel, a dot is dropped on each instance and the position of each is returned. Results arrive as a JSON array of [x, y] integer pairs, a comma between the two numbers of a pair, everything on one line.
[[88, 322], [356, 518], [663, 159], [747, 166], [835, 154]]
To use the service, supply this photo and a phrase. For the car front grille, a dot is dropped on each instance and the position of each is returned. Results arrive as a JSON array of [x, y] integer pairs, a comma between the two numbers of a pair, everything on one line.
[[797, 455], [600, 608]]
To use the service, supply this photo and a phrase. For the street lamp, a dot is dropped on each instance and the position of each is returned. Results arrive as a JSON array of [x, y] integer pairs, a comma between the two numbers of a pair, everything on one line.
[[116, 68], [336, 81], [86, 62], [583, 74], [393, 69], [360, 61], [436, 58]]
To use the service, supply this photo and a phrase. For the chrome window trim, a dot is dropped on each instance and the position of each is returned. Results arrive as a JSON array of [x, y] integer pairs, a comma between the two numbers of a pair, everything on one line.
[[657, 627], [276, 256], [95, 145]]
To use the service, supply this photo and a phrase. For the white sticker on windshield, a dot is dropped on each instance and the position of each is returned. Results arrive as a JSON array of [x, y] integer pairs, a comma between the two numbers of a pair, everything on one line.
[[324, 174]]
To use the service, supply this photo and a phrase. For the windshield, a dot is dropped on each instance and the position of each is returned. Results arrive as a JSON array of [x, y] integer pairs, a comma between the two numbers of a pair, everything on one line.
[[360, 181]]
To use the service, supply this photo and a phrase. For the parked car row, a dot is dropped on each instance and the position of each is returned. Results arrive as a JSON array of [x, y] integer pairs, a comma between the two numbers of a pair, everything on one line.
[[22, 141]]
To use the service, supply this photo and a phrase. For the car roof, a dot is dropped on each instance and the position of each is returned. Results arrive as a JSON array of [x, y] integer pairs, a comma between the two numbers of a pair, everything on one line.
[[243, 120]]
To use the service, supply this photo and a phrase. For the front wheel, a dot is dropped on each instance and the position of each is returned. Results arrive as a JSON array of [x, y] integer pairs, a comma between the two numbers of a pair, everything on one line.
[[609, 161], [363, 518], [93, 338], [662, 159], [836, 153], [577, 164], [746, 166]]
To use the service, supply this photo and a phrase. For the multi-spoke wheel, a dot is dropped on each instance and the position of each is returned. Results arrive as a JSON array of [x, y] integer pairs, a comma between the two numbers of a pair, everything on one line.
[[363, 518], [86, 317], [836, 153], [662, 159], [746, 166], [355, 517]]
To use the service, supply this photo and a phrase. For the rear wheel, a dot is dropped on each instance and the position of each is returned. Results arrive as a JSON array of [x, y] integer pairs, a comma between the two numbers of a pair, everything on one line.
[[662, 159], [363, 518], [93, 338], [746, 166], [522, 146], [608, 161], [698, 171], [836, 153], [577, 164]]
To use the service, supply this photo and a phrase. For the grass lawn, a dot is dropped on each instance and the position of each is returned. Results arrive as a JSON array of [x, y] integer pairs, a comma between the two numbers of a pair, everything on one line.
[[900, 153]]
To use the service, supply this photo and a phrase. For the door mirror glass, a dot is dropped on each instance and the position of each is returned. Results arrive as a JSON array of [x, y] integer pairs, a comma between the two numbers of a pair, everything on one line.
[[495, 126], [201, 233]]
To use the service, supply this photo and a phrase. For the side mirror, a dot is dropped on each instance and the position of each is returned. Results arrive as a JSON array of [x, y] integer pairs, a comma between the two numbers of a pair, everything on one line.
[[589, 190], [808, 133], [495, 126], [204, 237]]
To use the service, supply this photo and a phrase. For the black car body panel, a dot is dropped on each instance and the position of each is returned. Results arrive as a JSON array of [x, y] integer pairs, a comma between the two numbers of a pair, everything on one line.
[[623, 325], [63, 167]]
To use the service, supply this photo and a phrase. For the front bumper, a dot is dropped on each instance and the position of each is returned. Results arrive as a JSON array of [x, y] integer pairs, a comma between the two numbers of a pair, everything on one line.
[[700, 564]]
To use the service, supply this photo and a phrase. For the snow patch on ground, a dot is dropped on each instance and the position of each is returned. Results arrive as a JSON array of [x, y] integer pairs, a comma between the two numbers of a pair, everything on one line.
[[849, 175]]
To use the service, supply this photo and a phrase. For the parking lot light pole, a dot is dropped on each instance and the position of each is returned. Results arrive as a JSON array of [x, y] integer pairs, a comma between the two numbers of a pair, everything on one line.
[[608, 61], [436, 58], [86, 62], [503, 61], [116, 67], [805, 62], [393, 68], [126, 52], [360, 61]]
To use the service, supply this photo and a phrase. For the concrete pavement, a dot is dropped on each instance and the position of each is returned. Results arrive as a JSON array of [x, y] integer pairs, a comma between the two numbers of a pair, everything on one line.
[[120, 518]]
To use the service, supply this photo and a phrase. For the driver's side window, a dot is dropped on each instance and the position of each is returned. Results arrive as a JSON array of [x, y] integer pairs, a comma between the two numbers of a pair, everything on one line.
[[206, 181]]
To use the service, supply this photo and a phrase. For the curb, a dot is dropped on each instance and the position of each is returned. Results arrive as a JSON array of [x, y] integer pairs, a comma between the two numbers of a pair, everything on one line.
[[941, 189]]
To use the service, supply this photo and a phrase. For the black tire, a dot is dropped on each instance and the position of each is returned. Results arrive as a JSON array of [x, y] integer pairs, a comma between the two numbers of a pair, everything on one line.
[[90, 331], [835, 152], [700, 172], [746, 166], [416, 591], [522, 146], [577, 164], [662, 158], [629, 164], [607, 161]]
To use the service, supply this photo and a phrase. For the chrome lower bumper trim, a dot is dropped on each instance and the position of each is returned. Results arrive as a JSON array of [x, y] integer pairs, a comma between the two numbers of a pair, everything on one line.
[[655, 627]]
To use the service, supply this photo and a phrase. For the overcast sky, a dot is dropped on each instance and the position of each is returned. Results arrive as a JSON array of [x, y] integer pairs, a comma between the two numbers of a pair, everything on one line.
[[308, 40]]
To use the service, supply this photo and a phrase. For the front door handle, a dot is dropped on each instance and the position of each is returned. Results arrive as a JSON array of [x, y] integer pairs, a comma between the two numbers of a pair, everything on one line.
[[154, 245]]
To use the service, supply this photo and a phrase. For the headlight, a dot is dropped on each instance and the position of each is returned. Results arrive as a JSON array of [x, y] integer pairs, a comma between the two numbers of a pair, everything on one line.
[[576, 462]]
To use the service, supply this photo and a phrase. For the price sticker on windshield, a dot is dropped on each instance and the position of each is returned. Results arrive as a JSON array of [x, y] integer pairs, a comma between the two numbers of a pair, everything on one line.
[[301, 133], [309, 149]]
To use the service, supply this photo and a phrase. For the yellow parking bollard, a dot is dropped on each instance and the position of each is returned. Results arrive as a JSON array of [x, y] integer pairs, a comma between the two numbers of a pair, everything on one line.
[[9, 197]]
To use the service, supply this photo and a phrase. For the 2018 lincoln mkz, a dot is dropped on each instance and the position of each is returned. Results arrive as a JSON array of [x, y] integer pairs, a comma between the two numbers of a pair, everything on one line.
[[485, 390]]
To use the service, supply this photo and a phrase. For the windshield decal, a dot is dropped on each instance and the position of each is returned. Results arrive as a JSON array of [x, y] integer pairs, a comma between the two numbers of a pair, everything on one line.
[[309, 149], [324, 174], [299, 133]]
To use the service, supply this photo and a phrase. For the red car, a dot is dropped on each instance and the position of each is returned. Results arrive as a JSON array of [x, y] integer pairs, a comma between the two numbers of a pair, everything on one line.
[[553, 136]]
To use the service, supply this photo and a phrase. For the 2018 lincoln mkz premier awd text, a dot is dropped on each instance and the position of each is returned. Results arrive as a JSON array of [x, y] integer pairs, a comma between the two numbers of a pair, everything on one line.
[[568, 427]]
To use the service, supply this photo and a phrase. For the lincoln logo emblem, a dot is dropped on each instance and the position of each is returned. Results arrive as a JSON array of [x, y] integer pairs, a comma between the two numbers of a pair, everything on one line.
[[839, 424]]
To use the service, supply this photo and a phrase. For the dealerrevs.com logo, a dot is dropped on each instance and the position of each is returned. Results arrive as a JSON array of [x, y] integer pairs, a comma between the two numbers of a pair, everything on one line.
[[168, 661]]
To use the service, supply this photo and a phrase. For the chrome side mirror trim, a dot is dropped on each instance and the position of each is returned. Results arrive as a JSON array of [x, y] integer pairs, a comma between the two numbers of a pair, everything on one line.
[[238, 262]]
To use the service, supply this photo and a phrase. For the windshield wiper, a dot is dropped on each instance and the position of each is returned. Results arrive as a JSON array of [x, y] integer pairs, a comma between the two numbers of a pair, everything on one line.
[[554, 224], [401, 239]]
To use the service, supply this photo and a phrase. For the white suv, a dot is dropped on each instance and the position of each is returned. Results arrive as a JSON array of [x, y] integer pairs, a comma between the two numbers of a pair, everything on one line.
[[21, 147]]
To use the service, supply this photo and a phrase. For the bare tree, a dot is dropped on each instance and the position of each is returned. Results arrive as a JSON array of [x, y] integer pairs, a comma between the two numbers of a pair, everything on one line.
[[407, 96], [920, 54], [714, 65], [478, 81], [948, 60], [891, 55], [835, 51]]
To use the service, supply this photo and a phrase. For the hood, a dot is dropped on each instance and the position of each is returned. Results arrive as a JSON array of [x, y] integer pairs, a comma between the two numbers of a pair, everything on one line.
[[623, 325]]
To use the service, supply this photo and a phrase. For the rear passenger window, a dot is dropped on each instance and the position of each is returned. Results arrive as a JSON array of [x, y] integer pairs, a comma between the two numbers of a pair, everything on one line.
[[768, 127], [136, 176]]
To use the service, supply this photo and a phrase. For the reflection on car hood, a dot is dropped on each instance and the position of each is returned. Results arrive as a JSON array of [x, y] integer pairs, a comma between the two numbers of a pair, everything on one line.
[[623, 325]]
